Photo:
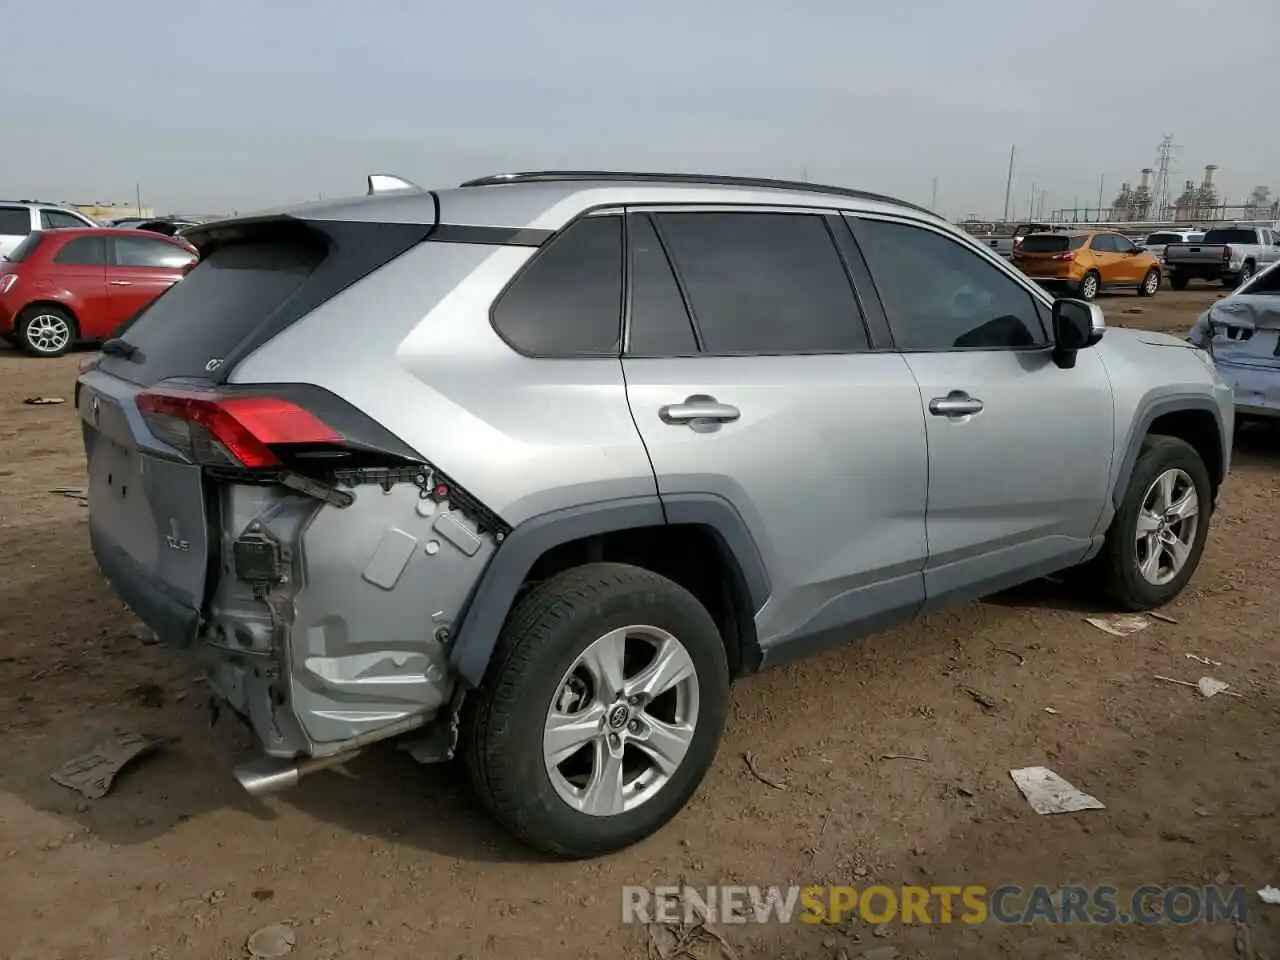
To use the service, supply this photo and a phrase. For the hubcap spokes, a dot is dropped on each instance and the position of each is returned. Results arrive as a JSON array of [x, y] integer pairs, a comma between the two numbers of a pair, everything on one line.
[[622, 720], [1167, 523], [48, 333]]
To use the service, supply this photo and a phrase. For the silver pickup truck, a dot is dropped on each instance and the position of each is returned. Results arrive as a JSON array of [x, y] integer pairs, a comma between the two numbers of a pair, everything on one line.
[[1229, 254], [1003, 246]]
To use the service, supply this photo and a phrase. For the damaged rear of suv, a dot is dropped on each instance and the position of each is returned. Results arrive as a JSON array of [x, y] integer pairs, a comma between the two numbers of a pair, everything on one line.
[[528, 469]]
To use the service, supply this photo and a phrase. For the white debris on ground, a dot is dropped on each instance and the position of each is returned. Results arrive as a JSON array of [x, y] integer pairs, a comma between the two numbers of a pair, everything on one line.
[[1120, 625], [1049, 793]]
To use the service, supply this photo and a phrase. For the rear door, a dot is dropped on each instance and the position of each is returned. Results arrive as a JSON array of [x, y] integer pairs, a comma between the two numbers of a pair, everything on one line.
[[77, 274], [754, 378], [15, 226], [141, 269], [1019, 450]]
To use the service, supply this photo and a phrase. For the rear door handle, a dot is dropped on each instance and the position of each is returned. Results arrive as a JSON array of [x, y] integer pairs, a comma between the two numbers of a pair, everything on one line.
[[120, 283], [957, 403], [700, 412]]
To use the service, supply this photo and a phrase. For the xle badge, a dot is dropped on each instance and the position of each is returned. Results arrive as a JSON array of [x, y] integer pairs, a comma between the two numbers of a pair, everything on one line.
[[182, 546]]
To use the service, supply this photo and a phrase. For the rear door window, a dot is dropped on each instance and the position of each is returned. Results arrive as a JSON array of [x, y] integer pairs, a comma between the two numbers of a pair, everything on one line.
[[764, 283], [83, 252], [567, 302], [143, 252], [15, 222], [659, 321], [1104, 243]]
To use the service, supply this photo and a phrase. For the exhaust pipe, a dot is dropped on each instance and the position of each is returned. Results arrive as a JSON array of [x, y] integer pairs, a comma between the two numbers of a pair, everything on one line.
[[265, 775]]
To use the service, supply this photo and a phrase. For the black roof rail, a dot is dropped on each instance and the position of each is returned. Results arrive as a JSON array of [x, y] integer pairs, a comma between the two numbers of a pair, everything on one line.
[[717, 180]]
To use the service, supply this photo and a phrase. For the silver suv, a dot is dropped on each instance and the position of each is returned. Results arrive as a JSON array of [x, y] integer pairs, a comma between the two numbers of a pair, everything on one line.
[[531, 468], [20, 218]]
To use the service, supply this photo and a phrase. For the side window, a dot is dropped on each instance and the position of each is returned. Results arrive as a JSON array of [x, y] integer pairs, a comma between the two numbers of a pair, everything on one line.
[[939, 295], [764, 283], [567, 302], [1103, 243], [83, 252], [141, 252], [60, 220], [1124, 245], [15, 221], [660, 323]]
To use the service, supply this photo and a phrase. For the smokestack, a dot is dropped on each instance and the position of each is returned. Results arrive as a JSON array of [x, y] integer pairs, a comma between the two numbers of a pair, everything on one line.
[[1208, 174], [1146, 178]]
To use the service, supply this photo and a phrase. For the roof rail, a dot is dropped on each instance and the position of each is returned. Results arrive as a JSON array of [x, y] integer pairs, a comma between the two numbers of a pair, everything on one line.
[[389, 183], [719, 180]]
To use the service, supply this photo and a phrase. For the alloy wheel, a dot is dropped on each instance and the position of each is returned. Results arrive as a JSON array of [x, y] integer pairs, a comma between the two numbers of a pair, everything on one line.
[[621, 721], [1167, 523], [48, 333]]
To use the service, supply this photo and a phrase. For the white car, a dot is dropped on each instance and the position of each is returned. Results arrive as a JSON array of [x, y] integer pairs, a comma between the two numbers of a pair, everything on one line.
[[19, 218], [1156, 242]]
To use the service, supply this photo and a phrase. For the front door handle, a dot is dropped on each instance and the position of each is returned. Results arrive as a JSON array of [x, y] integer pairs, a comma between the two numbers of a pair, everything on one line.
[[957, 403], [700, 412], [121, 283]]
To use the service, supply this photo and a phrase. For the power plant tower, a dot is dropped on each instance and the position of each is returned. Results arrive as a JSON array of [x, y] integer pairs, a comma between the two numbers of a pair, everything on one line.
[[1164, 165], [1207, 195], [1142, 196]]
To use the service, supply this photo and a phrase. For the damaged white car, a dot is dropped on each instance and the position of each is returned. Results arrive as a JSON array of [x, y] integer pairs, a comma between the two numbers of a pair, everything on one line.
[[1242, 334]]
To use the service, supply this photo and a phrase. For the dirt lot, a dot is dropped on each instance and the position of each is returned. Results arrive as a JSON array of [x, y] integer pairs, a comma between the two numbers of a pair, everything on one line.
[[388, 859]]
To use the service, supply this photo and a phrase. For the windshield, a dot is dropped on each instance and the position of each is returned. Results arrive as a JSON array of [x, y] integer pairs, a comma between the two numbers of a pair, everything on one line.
[[1265, 283], [1231, 235], [1051, 243], [25, 248]]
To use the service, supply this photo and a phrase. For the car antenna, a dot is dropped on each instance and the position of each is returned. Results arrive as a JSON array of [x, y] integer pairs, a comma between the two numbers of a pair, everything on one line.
[[388, 183]]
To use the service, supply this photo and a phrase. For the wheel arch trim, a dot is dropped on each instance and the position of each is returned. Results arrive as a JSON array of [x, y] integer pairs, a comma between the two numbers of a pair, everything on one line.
[[1148, 412], [495, 591]]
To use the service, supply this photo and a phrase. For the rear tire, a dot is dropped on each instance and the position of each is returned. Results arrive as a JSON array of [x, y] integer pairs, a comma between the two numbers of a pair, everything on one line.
[[1089, 286], [1131, 578], [1150, 283], [46, 331], [1178, 281], [549, 665]]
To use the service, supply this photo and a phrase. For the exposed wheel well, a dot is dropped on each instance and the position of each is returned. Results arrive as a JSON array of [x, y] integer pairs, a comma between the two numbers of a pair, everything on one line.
[[694, 556], [1198, 428]]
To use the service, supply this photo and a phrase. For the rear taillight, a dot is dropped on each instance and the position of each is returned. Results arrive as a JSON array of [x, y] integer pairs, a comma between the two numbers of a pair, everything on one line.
[[1226, 253], [249, 432], [7, 282], [1069, 255], [87, 363]]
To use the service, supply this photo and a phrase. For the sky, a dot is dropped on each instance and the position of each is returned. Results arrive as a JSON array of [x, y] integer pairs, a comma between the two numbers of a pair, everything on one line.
[[243, 104]]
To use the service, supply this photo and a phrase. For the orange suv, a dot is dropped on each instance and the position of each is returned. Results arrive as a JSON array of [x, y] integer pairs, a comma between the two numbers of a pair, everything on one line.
[[1087, 261]]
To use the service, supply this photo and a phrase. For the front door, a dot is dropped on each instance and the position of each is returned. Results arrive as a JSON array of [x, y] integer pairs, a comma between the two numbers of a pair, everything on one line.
[[79, 270], [753, 379], [1130, 264], [1019, 449]]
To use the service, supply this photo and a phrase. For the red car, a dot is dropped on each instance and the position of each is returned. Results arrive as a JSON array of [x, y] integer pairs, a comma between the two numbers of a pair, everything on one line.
[[60, 286]]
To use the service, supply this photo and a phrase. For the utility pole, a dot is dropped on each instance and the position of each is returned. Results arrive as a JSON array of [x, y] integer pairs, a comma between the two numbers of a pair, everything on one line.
[[138, 189], [1008, 184], [1031, 205], [933, 200], [1101, 183]]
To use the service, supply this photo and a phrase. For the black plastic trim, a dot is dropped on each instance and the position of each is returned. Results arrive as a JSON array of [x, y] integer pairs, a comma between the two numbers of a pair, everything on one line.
[[864, 288], [713, 180], [1147, 415], [492, 598], [494, 236]]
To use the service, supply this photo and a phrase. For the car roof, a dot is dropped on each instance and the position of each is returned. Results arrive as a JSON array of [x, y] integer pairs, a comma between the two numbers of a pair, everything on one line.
[[549, 199], [101, 232]]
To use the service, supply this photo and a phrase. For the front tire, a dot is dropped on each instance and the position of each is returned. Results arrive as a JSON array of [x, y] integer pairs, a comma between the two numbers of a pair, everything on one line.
[[1089, 285], [1150, 283], [601, 711], [1159, 532], [46, 331]]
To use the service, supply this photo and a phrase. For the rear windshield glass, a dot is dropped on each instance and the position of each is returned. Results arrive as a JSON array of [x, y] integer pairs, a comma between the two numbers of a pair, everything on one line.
[[1231, 236], [1164, 238], [205, 315], [25, 248], [1051, 243], [1267, 282]]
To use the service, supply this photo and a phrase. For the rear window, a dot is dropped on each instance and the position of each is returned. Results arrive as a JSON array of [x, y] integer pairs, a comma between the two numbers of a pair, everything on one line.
[[214, 308], [1231, 236], [15, 222], [26, 247], [1164, 238], [1051, 243]]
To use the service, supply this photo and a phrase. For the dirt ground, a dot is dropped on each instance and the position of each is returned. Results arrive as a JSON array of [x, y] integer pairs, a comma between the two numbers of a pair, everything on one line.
[[389, 859]]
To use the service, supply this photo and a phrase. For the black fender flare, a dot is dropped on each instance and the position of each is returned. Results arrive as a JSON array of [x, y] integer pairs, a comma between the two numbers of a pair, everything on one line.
[[492, 597], [1148, 413]]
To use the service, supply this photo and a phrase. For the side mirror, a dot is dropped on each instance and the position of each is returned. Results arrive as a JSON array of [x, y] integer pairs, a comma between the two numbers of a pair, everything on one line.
[[1077, 325]]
